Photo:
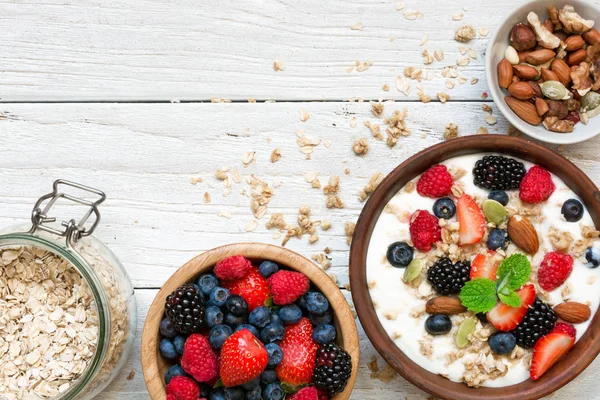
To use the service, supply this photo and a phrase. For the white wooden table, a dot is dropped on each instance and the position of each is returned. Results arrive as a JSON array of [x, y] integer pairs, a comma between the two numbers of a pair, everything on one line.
[[117, 95]]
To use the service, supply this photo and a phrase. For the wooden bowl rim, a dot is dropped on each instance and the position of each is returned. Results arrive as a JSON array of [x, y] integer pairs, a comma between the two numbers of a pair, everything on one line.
[[150, 356], [586, 349]]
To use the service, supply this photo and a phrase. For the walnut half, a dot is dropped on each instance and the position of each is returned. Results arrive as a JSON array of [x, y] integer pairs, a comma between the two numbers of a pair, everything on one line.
[[558, 125], [545, 38], [572, 22]]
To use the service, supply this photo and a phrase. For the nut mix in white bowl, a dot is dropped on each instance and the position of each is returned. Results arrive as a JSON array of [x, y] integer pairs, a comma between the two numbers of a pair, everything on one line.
[[552, 70]]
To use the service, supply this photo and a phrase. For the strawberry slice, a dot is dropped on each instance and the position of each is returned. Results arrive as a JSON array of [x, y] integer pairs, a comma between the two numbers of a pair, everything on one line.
[[471, 220], [506, 318], [485, 266], [547, 351]]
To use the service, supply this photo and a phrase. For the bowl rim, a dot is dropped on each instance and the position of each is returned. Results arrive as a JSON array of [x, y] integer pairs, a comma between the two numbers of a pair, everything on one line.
[[498, 94], [586, 349], [149, 354]]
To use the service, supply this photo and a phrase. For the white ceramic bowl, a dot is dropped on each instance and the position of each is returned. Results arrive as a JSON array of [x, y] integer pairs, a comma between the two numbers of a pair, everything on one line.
[[495, 53]]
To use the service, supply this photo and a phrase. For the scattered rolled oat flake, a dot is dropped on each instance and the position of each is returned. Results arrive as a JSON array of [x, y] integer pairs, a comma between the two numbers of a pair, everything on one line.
[[462, 80], [457, 17], [464, 34], [362, 66], [450, 83], [361, 146], [413, 15], [251, 100], [482, 130], [474, 81], [451, 131], [438, 54], [370, 187], [487, 108], [400, 6], [278, 65], [225, 214], [424, 40], [353, 122], [248, 158], [443, 97], [472, 54], [303, 115], [491, 120], [349, 230], [483, 31], [327, 143], [357, 26], [377, 109], [463, 50], [206, 197], [194, 180], [251, 225], [427, 58], [275, 155], [385, 88], [463, 61]]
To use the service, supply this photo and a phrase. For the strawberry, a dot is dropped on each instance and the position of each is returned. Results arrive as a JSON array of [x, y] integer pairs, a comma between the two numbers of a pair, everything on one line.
[[554, 270], [254, 288], [182, 388], [471, 221], [547, 351], [536, 186], [299, 354], [565, 328], [424, 230], [198, 359], [506, 318], [243, 358], [233, 268], [485, 266], [307, 393], [435, 182], [288, 286]]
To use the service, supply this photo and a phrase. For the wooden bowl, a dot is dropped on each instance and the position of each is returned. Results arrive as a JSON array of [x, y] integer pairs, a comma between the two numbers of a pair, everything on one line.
[[586, 349], [154, 365]]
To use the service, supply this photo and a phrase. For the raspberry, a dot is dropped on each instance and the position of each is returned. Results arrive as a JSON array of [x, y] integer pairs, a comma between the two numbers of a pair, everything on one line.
[[233, 268], [536, 186], [323, 395], [554, 270], [198, 359], [424, 230], [287, 286], [565, 328], [182, 388], [435, 182], [307, 393]]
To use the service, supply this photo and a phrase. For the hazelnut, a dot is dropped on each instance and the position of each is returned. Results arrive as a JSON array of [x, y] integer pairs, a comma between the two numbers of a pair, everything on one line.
[[557, 109], [522, 37]]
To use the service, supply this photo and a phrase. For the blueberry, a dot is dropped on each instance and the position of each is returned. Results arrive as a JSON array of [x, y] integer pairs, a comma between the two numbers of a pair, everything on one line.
[[317, 319], [500, 196], [218, 335], [324, 334], [316, 303], [260, 316], [217, 394], [592, 256], [275, 354], [273, 391], [207, 283], [252, 384], [438, 324], [497, 239], [254, 394], [301, 302], [213, 316], [572, 210], [502, 342], [237, 305], [248, 327], [275, 318], [290, 314], [234, 393], [444, 208], [179, 343], [218, 296], [268, 268], [268, 376], [234, 321], [167, 349], [173, 371], [272, 332], [166, 329], [399, 254]]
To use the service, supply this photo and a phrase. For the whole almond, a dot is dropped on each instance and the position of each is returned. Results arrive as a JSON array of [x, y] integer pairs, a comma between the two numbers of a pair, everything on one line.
[[540, 56], [523, 55], [574, 42], [562, 70], [505, 73], [524, 110], [592, 36], [576, 57], [521, 90], [522, 233], [541, 106], [548, 75], [444, 305], [573, 312], [525, 71]]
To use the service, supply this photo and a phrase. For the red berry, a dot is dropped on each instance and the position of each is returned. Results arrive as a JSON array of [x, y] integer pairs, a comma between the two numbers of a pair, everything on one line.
[[471, 221], [323, 395], [232, 268], [307, 393], [198, 359], [254, 288], [573, 116], [243, 358], [182, 388], [554, 270], [435, 182], [424, 230], [536, 186], [565, 328], [485, 266], [547, 351], [506, 318], [288, 286], [299, 354]]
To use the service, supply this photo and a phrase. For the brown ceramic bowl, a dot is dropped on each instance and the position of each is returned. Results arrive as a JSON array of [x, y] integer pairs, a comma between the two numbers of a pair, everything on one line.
[[586, 349], [154, 365]]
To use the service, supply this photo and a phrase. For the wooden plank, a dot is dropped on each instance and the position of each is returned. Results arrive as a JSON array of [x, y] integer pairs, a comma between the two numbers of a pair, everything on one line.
[[181, 50]]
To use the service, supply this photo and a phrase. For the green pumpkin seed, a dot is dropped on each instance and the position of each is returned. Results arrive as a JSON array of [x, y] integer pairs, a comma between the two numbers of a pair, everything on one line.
[[590, 101], [553, 90], [413, 270], [466, 328], [494, 212]]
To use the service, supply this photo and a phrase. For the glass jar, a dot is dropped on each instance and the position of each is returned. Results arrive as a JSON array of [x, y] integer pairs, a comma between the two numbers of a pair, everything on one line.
[[95, 268]]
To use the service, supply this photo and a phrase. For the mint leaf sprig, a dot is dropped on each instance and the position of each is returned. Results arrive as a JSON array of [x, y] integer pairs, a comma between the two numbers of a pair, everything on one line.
[[481, 295]]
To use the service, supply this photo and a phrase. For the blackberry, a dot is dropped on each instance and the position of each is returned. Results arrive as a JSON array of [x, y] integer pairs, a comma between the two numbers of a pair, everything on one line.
[[333, 369], [185, 309], [448, 278], [498, 173], [539, 321]]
